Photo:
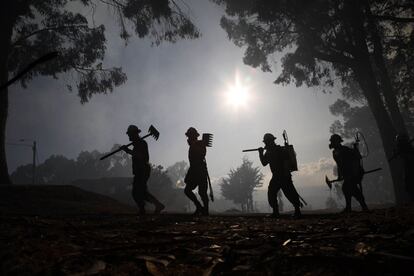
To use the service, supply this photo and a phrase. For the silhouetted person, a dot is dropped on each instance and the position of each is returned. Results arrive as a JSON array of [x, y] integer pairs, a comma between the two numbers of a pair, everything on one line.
[[141, 170], [197, 172], [348, 162], [405, 150], [278, 159]]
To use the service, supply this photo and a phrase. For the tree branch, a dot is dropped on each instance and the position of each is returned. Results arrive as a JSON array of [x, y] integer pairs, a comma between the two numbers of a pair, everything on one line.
[[17, 42], [395, 19]]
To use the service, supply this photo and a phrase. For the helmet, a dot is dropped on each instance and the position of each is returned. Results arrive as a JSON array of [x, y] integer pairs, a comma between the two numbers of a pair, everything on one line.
[[268, 137], [335, 138], [133, 129], [192, 132]]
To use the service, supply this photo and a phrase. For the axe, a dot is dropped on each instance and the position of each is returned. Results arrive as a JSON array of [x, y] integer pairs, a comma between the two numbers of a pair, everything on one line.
[[329, 182], [152, 131]]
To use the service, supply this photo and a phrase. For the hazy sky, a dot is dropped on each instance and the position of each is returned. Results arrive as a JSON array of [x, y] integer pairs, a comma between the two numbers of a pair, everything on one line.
[[173, 87]]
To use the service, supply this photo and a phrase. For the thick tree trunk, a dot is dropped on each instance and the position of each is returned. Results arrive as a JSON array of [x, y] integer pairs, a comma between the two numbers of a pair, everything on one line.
[[387, 131], [366, 78], [384, 78], [6, 27]]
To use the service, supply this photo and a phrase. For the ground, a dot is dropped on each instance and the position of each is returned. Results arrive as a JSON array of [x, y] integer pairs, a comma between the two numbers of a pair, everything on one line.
[[378, 242]]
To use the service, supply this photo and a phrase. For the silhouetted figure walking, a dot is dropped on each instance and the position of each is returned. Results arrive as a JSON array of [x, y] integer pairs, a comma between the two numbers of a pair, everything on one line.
[[197, 175], [278, 159], [350, 170], [141, 170], [405, 150]]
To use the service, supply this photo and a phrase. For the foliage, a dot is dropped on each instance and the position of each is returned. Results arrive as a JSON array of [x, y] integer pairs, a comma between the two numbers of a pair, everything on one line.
[[240, 183], [177, 173], [49, 25]]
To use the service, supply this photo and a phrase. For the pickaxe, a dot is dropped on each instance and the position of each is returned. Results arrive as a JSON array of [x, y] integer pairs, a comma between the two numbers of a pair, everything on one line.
[[152, 131], [329, 182]]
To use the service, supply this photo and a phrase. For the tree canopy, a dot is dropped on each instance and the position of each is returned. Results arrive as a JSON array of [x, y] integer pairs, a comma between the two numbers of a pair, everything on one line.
[[240, 183]]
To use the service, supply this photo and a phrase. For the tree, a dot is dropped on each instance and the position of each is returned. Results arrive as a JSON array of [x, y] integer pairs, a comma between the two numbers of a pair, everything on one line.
[[240, 183], [177, 173], [30, 29], [325, 42]]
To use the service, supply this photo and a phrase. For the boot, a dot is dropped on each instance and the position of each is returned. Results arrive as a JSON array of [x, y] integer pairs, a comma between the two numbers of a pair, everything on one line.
[[297, 213], [158, 208]]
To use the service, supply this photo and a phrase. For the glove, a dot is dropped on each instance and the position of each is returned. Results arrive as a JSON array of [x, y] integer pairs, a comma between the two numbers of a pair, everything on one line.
[[260, 150]]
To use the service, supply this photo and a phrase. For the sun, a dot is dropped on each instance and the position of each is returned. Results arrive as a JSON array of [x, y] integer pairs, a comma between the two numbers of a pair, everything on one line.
[[237, 93]]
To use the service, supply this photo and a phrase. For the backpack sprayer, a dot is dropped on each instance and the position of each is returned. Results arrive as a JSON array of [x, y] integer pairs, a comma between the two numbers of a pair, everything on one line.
[[292, 162], [357, 137]]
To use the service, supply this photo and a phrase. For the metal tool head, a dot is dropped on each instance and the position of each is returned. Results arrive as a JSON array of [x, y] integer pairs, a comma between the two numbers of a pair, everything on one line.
[[328, 182], [154, 132], [208, 139]]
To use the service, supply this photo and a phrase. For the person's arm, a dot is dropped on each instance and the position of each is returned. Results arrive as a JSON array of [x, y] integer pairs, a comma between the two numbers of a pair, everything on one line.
[[126, 149], [263, 158]]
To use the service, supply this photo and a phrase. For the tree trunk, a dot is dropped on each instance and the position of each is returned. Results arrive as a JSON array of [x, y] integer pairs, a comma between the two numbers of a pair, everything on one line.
[[384, 78], [365, 76], [387, 131], [6, 28]]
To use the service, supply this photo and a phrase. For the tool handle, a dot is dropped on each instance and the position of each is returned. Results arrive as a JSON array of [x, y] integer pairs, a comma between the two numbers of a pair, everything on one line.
[[247, 150], [112, 153], [118, 150]]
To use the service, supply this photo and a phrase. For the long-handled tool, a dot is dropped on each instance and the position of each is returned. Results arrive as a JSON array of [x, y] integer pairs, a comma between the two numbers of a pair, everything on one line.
[[209, 185], [329, 182], [247, 150], [152, 131]]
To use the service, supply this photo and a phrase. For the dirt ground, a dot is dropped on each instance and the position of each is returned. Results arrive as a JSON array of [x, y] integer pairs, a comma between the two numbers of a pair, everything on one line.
[[379, 242]]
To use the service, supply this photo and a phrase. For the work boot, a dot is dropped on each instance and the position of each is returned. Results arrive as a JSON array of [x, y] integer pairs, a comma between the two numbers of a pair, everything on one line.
[[275, 214], [141, 212], [297, 213], [205, 211], [158, 208]]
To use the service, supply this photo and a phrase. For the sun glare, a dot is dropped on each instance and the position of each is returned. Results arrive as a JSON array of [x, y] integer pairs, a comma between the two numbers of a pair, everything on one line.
[[237, 94]]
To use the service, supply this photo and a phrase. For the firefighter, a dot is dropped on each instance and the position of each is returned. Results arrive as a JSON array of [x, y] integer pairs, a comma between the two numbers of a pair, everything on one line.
[[141, 170], [350, 170], [278, 160], [197, 173]]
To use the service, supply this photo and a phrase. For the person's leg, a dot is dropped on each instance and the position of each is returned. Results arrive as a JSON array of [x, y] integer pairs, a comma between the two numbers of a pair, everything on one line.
[[292, 195], [359, 196], [273, 189], [138, 193], [202, 191], [346, 189]]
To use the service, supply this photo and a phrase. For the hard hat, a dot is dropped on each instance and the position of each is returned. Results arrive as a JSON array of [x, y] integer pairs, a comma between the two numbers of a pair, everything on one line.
[[335, 138], [192, 132], [268, 137], [133, 129]]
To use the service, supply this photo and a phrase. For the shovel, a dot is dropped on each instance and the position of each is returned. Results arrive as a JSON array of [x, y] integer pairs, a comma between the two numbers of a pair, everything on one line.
[[152, 131]]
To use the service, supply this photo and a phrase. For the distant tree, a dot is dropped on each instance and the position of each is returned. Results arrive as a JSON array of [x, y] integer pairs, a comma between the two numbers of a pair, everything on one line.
[[324, 42], [30, 29], [177, 173], [330, 203], [240, 183], [59, 170]]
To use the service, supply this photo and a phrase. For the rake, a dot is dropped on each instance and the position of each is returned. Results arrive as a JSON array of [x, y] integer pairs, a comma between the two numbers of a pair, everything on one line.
[[208, 139]]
